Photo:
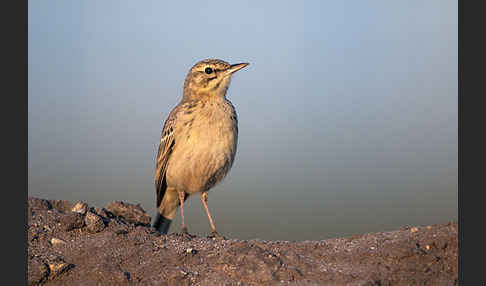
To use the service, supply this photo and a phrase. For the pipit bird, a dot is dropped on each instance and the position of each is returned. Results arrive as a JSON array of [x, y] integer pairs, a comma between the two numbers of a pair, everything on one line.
[[198, 142]]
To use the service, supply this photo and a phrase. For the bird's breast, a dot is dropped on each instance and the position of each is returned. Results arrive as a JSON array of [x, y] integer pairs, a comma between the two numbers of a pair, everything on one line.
[[205, 148]]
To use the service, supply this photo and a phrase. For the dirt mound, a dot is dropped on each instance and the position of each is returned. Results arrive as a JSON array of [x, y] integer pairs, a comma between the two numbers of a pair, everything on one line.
[[74, 244]]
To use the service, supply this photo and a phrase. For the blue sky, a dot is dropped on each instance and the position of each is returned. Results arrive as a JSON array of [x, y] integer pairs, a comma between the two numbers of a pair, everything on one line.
[[347, 111]]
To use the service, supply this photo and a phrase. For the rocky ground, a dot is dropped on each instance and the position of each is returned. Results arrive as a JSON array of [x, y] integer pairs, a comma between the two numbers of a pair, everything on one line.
[[76, 244]]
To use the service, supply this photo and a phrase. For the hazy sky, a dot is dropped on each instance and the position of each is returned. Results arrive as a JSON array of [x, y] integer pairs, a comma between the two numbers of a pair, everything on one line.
[[347, 111]]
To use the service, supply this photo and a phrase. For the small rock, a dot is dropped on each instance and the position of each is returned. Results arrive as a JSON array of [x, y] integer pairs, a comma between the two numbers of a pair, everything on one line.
[[80, 208], [58, 268], [191, 251], [37, 272], [33, 236], [132, 213], [94, 222], [36, 204], [72, 221], [62, 206], [57, 241]]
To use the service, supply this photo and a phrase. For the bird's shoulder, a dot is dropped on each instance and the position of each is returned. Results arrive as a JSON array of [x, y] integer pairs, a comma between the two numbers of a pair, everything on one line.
[[178, 112]]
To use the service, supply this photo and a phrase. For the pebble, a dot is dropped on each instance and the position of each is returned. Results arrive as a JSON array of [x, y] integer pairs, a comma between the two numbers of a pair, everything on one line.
[[37, 271], [72, 221], [94, 223], [191, 251], [57, 241], [58, 268], [80, 207]]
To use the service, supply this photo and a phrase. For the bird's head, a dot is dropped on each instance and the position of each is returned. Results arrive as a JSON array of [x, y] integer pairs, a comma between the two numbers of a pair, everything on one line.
[[209, 78]]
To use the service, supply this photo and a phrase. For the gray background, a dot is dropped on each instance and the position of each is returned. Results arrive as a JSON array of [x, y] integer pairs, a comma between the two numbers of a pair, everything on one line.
[[347, 112]]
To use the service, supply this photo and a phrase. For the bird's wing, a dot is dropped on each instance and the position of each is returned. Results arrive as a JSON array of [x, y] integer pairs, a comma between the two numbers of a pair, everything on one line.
[[165, 149]]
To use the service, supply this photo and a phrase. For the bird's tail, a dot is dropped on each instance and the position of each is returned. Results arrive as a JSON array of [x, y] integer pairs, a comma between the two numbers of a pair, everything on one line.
[[161, 223], [167, 210]]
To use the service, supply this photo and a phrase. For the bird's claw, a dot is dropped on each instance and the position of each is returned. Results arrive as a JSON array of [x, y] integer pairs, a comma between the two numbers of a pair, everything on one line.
[[216, 235], [186, 234]]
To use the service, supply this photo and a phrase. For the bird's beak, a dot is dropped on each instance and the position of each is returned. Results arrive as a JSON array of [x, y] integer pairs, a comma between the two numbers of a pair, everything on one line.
[[236, 67]]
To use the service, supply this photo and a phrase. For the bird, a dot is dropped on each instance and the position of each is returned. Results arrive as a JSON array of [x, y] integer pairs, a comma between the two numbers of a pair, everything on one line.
[[198, 142]]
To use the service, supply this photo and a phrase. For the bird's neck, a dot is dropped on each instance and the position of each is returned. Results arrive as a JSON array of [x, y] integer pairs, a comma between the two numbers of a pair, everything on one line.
[[218, 94]]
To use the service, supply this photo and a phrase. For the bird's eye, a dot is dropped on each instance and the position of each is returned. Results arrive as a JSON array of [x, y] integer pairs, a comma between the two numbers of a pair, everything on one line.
[[208, 70]]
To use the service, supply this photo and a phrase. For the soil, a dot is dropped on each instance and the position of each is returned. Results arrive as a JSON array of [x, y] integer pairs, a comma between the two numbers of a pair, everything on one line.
[[76, 244]]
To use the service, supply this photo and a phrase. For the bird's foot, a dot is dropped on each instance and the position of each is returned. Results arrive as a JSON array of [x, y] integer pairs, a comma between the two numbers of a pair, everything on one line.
[[216, 235], [186, 234]]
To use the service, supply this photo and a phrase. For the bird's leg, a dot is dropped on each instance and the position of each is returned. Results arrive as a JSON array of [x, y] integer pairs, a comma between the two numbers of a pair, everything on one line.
[[204, 199], [181, 199]]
